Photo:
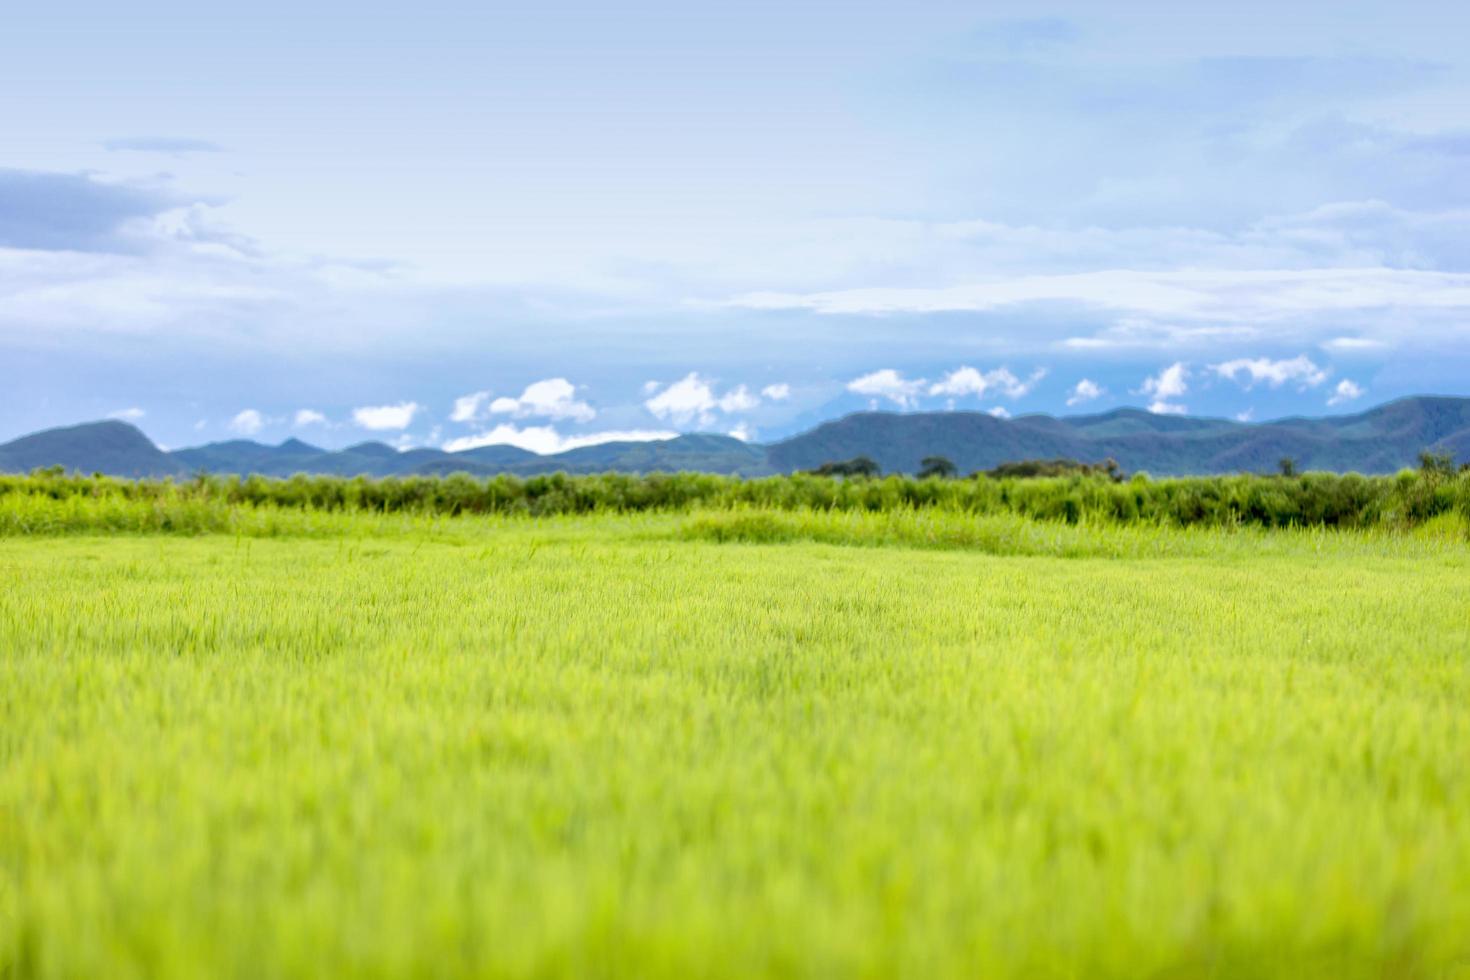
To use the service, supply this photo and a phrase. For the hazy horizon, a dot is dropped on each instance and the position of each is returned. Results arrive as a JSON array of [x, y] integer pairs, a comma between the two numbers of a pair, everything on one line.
[[349, 436]]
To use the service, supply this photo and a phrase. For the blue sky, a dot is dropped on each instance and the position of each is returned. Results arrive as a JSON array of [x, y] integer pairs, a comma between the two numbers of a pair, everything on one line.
[[456, 223]]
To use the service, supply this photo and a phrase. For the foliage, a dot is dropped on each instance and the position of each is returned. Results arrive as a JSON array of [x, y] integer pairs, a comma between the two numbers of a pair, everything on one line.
[[52, 502], [1436, 465], [1033, 468], [857, 466], [938, 467]]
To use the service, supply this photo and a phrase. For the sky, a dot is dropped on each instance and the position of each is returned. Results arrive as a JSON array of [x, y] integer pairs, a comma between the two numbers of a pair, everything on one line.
[[551, 224]]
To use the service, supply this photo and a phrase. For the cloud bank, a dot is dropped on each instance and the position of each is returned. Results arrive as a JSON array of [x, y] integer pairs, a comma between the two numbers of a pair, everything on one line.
[[1252, 371], [968, 381]]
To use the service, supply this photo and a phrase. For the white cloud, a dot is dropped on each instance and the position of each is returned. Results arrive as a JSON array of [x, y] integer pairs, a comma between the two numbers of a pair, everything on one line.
[[743, 432], [1292, 278], [961, 381], [1011, 387], [307, 416], [968, 381], [1274, 373], [1000, 412], [554, 398], [380, 418], [871, 250], [247, 422], [403, 442], [1246, 415], [544, 439], [127, 414], [1350, 344], [1345, 391], [1085, 391], [684, 401], [649, 387], [692, 398], [1240, 295], [467, 407], [1144, 333], [738, 399], [888, 383], [777, 392], [1172, 382]]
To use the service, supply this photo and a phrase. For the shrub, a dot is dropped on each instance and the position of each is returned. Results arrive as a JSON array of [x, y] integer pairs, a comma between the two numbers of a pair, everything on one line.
[[58, 501], [857, 466]]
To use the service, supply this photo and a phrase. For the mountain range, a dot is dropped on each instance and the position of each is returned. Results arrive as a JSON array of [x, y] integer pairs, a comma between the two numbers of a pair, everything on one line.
[[1380, 440]]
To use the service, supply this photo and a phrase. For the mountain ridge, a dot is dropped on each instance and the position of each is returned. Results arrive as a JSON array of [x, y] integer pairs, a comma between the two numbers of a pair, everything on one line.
[[1381, 439]]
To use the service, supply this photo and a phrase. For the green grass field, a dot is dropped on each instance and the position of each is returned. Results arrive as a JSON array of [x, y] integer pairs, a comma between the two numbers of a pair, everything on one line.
[[733, 744]]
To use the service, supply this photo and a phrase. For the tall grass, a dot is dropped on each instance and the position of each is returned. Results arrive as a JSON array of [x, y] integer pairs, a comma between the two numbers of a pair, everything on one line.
[[51, 502], [560, 749], [1014, 535]]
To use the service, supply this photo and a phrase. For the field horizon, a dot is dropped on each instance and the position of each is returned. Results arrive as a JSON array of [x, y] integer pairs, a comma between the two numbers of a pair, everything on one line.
[[1379, 440]]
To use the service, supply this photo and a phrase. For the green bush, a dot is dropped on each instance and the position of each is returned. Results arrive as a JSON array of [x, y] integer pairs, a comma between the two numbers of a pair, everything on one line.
[[49, 501]]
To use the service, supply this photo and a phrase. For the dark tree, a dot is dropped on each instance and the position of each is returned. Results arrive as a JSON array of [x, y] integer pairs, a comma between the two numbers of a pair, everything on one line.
[[857, 466], [1026, 469], [1288, 466], [940, 466]]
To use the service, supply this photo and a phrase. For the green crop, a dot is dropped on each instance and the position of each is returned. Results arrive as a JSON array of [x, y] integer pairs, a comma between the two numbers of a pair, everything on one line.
[[730, 743]]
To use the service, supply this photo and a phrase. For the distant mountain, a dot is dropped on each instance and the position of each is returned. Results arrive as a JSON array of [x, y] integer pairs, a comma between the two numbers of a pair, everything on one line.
[[698, 451], [245, 456], [111, 447], [1135, 421], [496, 457], [1380, 440], [972, 440]]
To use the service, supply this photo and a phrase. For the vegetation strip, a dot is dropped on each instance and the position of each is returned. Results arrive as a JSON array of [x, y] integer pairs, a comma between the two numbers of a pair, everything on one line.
[[49, 502]]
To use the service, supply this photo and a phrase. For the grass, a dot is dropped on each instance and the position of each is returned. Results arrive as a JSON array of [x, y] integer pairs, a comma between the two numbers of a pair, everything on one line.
[[725, 744], [1014, 535]]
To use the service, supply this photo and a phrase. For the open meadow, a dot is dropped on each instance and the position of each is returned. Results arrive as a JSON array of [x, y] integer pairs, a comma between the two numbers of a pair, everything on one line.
[[733, 742], [728, 491]]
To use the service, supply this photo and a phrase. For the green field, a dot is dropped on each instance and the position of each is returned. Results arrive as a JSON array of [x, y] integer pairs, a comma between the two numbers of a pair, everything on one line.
[[734, 744]]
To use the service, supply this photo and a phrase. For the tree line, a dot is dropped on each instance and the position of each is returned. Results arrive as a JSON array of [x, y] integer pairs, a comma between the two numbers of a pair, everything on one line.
[[1095, 493]]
